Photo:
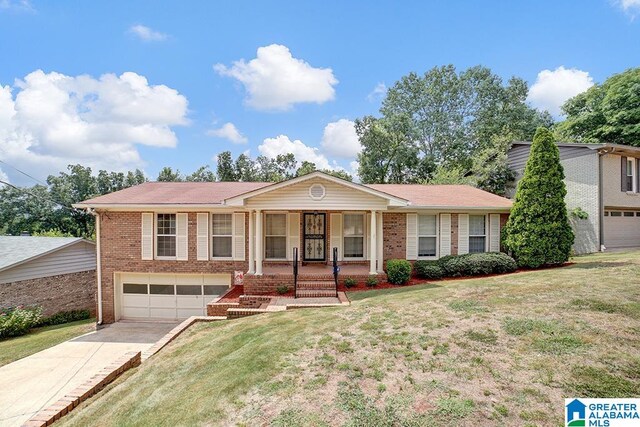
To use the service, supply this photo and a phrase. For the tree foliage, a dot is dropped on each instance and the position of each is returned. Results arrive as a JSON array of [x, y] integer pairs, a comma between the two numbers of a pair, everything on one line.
[[442, 120], [609, 112], [538, 231]]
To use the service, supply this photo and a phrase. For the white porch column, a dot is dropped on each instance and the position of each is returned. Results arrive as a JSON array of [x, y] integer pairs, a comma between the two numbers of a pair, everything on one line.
[[252, 249], [380, 254], [373, 252], [258, 240]]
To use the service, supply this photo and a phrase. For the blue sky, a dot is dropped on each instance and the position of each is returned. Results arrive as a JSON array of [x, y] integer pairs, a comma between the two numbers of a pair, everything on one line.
[[319, 66]]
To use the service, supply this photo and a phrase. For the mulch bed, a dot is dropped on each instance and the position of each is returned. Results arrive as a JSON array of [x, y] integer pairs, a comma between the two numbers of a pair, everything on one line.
[[233, 294]]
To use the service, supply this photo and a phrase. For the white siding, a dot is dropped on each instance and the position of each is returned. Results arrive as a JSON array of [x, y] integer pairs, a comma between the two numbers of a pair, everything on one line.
[[463, 234], [293, 235], [80, 256], [203, 237], [337, 197], [412, 236], [445, 234], [336, 235]]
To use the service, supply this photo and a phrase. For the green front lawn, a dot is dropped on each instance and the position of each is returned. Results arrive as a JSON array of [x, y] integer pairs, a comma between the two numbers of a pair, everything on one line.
[[502, 350], [39, 339]]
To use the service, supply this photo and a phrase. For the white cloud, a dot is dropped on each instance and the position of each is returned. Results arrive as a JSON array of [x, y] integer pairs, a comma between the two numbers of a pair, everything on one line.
[[17, 5], [377, 93], [281, 144], [340, 139], [275, 80], [552, 88], [147, 34], [630, 7], [229, 131], [54, 120]]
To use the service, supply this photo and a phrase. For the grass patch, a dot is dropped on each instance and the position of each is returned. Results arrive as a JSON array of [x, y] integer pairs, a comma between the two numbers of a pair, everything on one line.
[[40, 339], [598, 382], [630, 309], [558, 345], [518, 327], [468, 306], [455, 408], [297, 418], [486, 337]]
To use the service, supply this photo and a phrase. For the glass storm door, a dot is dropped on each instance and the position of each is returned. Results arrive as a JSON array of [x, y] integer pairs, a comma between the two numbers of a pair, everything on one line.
[[314, 236]]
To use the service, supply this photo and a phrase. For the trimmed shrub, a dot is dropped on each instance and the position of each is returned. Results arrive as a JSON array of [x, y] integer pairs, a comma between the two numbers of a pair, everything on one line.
[[428, 269], [65, 317], [349, 282], [19, 320], [371, 281], [398, 271], [477, 264], [538, 231], [282, 289]]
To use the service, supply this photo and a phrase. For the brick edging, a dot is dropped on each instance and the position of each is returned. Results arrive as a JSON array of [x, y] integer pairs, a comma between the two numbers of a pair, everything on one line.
[[66, 404]]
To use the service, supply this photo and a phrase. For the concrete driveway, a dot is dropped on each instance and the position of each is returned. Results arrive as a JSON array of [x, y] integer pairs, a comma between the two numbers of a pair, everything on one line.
[[35, 382]]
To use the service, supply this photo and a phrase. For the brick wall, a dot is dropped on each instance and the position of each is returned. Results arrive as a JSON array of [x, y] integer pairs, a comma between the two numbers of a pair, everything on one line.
[[120, 241], [72, 291], [394, 232]]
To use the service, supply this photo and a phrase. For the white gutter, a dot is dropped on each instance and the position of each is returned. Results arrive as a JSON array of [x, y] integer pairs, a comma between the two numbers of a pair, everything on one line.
[[98, 263]]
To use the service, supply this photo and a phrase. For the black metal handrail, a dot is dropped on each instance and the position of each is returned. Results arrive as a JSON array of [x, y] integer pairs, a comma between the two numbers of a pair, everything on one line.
[[295, 272], [336, 269]]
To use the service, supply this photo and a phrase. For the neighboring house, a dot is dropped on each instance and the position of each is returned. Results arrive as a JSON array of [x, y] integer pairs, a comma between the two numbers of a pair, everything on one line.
[[57, 273], [166, 249], [603, 181]]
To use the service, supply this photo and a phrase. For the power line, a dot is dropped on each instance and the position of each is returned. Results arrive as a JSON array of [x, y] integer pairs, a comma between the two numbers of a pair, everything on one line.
[[38, 196], [24, 173]]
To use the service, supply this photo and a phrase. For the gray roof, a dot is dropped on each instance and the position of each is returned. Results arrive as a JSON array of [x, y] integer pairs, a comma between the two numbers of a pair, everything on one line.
[[591, 146], [18, 249]]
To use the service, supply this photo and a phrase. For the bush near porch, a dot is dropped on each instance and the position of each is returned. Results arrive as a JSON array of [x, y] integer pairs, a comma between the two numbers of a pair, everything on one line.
[[466, 265]]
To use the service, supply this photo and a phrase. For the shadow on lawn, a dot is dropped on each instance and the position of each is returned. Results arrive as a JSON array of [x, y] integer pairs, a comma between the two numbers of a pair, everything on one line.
[[360, 295], [600, 264]]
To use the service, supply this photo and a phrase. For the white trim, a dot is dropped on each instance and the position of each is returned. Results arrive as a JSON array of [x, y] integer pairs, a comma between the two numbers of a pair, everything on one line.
[[486, 233], [445, 227], [364, 239], [324, 191], [202, 236], [264, 237], [239, 200], [231, 236], [155, 237]]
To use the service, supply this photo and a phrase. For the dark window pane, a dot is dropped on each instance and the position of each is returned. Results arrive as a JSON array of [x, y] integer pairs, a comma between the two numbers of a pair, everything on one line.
[[189, 289], [221, 247], [275, 247], [354, 247], [628, 214], [166, 224], [215, 289], [616, 213], [161, 289], [427, 246], [134, 288], [476, 244], [167, 246]]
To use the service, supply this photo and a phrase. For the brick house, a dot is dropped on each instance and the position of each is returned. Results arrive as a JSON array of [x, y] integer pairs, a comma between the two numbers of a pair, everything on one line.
[[603, 181], [167, 249], [56, 273]]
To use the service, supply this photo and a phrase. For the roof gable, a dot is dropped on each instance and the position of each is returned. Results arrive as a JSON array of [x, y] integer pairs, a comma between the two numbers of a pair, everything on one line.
[[16, 250]]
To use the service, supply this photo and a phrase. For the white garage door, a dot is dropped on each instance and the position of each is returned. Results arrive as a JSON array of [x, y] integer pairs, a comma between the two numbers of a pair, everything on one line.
[[169, 296], [621, 229]]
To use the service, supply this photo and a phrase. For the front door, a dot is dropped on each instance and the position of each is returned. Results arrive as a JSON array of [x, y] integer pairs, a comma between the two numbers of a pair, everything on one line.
[[315, 229]]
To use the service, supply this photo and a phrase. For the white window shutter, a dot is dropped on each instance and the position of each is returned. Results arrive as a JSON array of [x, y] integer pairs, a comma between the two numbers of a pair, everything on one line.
[[238, 237], [336, 235], [367, 235], [182, 241], [147, 236], [412, 236], [463, 234], [293, 235], [203, 237], [494, 233], [445, 234]]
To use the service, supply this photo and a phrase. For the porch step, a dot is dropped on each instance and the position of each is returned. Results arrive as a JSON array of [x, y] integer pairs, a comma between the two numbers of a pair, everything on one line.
[[316, 293], [316, 284], [236, 313]]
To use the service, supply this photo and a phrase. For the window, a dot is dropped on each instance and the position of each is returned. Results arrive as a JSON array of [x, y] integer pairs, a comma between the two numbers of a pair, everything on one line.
[[215, 289], [616, 213], [477, 233], [606, 213], [353, 232], [166, 235], [134, 288], [629, 182], [222, 230], [628, 213], [427, 235], [189, 290], [161, 289], [275, 236]]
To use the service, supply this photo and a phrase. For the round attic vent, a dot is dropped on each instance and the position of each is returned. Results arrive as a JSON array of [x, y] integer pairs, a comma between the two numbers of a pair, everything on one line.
[[316, 191]]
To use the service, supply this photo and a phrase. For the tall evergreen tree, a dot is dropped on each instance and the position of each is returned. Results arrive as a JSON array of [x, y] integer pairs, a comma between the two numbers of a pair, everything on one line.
[[538, 231]]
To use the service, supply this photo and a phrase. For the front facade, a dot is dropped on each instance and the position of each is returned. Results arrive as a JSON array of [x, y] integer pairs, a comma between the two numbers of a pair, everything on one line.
[[603, 181], [167, 249]]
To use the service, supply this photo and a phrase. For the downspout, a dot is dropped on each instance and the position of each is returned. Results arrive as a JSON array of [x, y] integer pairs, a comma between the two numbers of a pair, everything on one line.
[[98, 263], [601, 153]]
